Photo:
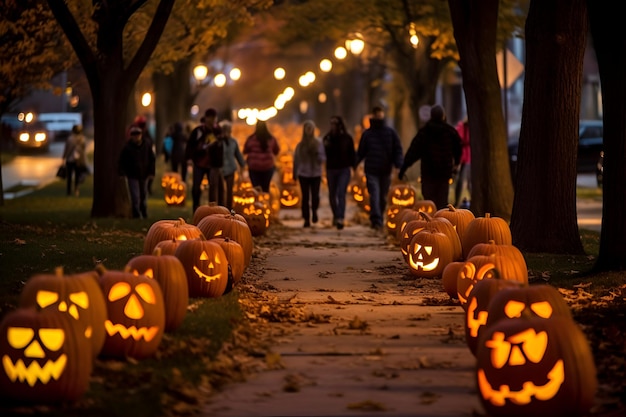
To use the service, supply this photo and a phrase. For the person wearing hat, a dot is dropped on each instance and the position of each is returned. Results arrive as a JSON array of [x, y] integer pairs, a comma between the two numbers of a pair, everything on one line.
[[75, 159], [137, 163], [438, 145]]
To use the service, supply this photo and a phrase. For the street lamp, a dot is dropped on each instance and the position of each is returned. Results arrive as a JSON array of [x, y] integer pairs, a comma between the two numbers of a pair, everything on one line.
[[279, 73], [200, 72]]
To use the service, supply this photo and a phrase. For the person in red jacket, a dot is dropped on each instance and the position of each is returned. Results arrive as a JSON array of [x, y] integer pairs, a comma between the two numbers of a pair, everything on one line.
[[260, 150]]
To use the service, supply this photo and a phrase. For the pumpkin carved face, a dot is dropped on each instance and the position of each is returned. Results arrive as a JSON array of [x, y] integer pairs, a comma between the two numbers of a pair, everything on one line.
[[170, 177], [136, 314], [175, 193], [206, 267], [402, 195], [42, 359], [533, 367], [428, 254], [290, 196]]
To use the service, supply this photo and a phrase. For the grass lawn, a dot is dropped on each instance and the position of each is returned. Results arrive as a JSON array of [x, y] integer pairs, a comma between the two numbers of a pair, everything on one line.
[[46, 229]]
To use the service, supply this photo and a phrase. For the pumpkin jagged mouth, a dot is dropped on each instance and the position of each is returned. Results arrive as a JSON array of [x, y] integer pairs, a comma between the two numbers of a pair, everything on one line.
[[147, 333], [556, 376], [207, 278], [34, 372]]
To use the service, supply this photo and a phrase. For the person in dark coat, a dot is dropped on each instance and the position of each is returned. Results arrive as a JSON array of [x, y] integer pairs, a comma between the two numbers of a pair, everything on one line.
[[137, 164], [438, 146], [381, 149], [340, 159]]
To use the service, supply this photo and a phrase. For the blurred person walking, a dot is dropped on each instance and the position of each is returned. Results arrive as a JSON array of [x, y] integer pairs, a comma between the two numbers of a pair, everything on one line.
[[75, 159], [308, 158], [340, 159], [232, 158], [205, 148], [137, 163], [438, 145], [260, 150], [381, 149]]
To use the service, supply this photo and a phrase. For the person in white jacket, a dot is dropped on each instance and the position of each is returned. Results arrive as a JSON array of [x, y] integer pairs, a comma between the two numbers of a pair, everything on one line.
[[308, 159]]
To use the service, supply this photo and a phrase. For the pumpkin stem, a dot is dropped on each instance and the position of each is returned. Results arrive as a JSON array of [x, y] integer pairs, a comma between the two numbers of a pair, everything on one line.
[[451, 207], [425, 216], [58, 271], [100, 269], [156, 252]]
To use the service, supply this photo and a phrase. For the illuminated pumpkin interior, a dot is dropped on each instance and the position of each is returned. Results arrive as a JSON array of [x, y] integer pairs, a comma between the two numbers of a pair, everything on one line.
[[420, 258], [209, 265], [514, 309], [133, 309], [23, 339]]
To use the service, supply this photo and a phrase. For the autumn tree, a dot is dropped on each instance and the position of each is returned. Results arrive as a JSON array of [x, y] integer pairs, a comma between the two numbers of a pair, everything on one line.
[[544, 215], [33, 51], [609, 43], [475, 23]]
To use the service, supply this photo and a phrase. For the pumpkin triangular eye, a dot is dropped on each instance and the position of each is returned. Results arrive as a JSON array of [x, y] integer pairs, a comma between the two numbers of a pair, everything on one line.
[[119, 290], [81, 299], [146, 293], [52, 339], [204, 256], [19, 337], [46, 298]]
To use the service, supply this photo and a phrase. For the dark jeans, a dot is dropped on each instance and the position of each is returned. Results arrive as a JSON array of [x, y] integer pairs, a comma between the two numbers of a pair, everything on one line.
[[310, 187], [437, 190], [72, 173], [229, 183], [378, 188], [138, 189], [216, 186], [196, 191], [261, 179], [183, 168], [338, 180]]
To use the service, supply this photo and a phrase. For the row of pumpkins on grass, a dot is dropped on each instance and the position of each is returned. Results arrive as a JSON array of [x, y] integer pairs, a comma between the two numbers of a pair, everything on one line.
[[63, 322], [531, 356]]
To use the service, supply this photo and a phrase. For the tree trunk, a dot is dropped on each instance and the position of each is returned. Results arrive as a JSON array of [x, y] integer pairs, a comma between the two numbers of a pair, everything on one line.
[[608, 38], [475, 23], [109, 105], [544, 209]]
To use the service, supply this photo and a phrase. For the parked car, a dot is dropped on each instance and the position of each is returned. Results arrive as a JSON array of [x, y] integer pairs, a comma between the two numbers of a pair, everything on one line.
[[590, 134], [33, 135], [600, 169]]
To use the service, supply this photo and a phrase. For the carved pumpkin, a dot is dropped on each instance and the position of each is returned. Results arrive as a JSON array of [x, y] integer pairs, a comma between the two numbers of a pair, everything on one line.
[[175, 194], [233, 226], [460, 218], [475, 269], [392, 215], [136, 314], [476, 315], [257, 218], [170, 177], [206, 267], [429, 252], [431, 223], [401, 195], [168, 271], [167, 230], [426, 206], [290, 195], [535, 367], [539, 300], [208, 209], [243, 198], [43, 359], [484, 229], [78, 295]]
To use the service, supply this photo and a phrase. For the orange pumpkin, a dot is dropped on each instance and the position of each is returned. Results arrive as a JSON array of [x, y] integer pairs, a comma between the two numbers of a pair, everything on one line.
[[169, 229], [428, 253], [484, 229], [206, 267], [175, 194], [460, 218], [233, 226], [43, 360], [208, 209], [168, 271], [234, 254]]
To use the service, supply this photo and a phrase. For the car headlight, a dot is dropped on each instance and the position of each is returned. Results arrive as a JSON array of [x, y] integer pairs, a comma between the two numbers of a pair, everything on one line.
[[40, 137], [24, 137]]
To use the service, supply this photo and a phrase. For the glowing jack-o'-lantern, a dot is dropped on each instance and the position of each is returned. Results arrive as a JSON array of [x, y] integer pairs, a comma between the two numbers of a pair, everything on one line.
[[43, 359], [475, 269], [257, 218], [136, 314], [426, 206], [170, 177], [290, 195], [233, 226], [430, 223], [206, 267], [78, 295], [429, 252], [168, 271], [401, 195], [175, 193], [244, 198], [535, 366], [169, 229], [391, 223], [476, 315]]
